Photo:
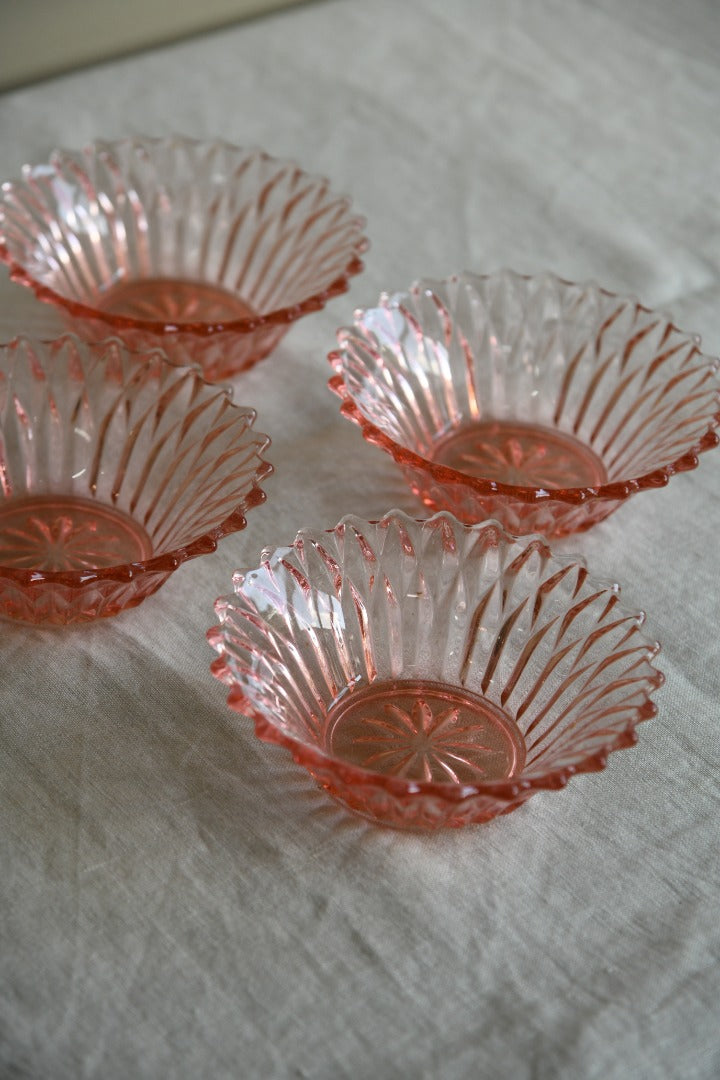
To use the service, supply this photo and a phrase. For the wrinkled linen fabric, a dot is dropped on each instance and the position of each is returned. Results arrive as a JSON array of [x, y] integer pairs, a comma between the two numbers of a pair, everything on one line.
[[179, 900]]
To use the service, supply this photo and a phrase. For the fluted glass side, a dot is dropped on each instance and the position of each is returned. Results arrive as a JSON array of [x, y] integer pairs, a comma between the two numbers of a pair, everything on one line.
[[438, 671], [115, 468], [205, 249], [532, 399]]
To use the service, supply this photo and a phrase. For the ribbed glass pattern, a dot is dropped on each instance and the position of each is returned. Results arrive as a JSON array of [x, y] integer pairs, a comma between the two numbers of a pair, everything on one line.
[[483, 667], [531, 399], [206, 249], [115, 467]]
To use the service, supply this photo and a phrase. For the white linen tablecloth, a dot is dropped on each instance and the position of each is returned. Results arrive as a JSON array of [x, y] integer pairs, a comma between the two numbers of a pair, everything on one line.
[[179, 900]]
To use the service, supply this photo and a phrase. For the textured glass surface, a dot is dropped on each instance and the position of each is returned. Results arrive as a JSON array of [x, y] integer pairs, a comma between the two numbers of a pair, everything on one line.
[[530, 399], [433, 673], [115, 468], [205, 249]]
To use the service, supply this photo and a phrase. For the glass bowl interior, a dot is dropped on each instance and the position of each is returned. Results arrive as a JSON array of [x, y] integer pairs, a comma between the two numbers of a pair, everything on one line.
[[526, 390], [263, 235], [114, 467], [207, 248], [444, 670]]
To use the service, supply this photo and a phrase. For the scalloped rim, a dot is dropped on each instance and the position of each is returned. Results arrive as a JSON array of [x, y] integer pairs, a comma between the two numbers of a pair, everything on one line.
[[168, 561], [504, 790], [442, 474], [248, 324]]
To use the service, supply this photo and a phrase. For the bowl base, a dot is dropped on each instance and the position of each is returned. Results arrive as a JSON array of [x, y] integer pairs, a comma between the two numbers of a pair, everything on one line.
[[68, 532], [421, 730], [172, 300], [524, 454]]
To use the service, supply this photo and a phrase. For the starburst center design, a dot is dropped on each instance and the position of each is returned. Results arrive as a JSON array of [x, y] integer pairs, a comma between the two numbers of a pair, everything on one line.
[[425, 732], [65, 534], [526, 455], [172, 300]]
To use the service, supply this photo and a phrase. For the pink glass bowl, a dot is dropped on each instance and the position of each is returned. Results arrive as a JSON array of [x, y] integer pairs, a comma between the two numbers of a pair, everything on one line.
[[529, 399], [115, 468], [204, 249], [433, 674]]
